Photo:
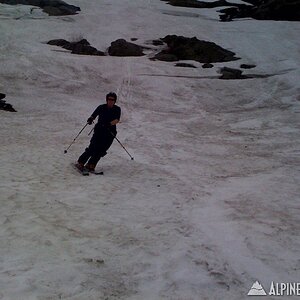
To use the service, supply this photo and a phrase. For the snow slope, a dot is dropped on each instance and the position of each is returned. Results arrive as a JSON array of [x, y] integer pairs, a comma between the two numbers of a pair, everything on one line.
[[211, 202]]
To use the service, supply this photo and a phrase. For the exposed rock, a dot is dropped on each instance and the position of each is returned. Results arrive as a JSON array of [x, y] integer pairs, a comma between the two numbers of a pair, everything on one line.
[[4, 105], [165, 56], [51, 7], [81, 47], [183, 48], [230, 73], [157, 42], [198, 4], [184, 65], [235, 12], [280, 10], [121, 47], [246, 66], [207, 66], [60, 43], [59, 11]]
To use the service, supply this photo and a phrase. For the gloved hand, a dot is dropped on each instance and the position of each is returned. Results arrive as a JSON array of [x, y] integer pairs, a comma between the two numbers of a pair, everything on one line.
[[90, 120]]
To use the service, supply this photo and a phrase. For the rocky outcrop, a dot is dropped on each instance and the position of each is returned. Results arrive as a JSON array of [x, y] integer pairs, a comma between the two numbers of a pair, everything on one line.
[[184, 65], [51, 7], [279, 10], [230, 73], [121, 47], [4, 105], [247, 66], [183, 48], [198, 4], [165, 55], [81, 47]]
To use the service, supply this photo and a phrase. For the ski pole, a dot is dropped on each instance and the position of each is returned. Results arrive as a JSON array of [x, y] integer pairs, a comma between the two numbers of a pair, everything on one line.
[[121, 145], [75, 138], [91, 130]]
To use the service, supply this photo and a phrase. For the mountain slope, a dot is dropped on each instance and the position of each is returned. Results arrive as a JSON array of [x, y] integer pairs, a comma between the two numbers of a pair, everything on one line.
[[209, 204]]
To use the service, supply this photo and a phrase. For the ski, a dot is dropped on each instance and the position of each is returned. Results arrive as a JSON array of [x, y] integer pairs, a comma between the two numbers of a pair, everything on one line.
[[83, 172], [97, 173]]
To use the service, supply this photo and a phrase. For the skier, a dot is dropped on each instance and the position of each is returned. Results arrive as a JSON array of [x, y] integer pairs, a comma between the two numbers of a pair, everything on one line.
[[108, 116]]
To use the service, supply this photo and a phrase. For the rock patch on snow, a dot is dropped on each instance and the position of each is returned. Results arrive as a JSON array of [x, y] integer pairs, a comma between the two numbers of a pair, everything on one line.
[[81, 47], [51, 7], [279, 10], [4, 105], [178, 48], [185, 65], [121, 47], [230, 73], [184, 48]]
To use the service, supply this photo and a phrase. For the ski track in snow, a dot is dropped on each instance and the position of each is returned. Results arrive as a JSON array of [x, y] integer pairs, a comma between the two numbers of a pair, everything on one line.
[[210, 203]]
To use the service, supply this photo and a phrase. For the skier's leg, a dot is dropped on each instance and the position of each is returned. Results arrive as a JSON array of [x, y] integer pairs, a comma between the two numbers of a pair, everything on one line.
[[94, 159], [83, 158], [101, 151]]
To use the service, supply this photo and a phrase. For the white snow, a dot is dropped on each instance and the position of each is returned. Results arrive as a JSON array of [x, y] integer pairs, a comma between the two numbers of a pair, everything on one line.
[[210, 204]]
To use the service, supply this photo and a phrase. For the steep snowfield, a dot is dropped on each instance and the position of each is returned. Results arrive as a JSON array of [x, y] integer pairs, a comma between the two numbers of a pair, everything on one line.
[[211, 202]]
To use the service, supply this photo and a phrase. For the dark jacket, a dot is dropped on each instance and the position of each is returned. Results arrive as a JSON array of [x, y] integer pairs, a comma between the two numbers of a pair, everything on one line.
[[106, 115]]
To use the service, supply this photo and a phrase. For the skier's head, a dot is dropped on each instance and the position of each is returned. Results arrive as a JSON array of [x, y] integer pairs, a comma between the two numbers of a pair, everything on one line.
[[111, 99], [111, 96]]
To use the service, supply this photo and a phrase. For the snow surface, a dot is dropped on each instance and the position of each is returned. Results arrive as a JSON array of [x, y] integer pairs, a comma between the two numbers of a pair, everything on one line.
[[211, 202]]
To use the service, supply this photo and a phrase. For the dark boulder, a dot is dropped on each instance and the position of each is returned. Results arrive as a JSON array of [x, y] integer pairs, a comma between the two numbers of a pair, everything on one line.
[[230, 73], [121, 47], [59, 42], [279, 10], [81, 47], [197, 4], [246, 66], [207, 66], [4, 105], [165, 56], [157, 42], [236, 12], [51, 7], [183, 48], [185, 65]]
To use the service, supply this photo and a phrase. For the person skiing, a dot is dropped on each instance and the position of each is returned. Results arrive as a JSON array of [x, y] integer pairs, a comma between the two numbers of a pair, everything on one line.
[[104, 132]]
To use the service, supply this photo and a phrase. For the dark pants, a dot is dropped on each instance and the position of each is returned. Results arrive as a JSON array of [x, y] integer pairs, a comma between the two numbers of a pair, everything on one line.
[[100, 143]]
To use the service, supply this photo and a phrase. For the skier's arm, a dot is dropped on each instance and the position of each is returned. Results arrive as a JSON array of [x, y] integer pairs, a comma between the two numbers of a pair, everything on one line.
[[111, 123], [90, 120], [114, 122], [94, 115], [117, 116]]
